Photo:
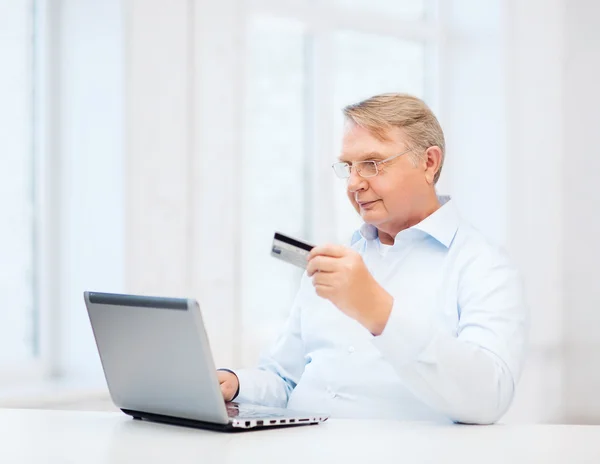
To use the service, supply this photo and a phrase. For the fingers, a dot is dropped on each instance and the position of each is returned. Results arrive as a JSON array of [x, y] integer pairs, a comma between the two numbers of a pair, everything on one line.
[[324, 291], [323, 279], [321, 264], [223, 376], [228, 383], [227, 391], [334, 251]]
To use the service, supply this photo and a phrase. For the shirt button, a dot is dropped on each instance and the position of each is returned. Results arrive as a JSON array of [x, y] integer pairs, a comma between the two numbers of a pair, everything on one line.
[[350, 349]]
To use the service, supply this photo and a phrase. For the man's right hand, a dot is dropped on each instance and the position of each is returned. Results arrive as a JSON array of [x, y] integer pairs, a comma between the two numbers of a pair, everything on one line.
[[229, 384]]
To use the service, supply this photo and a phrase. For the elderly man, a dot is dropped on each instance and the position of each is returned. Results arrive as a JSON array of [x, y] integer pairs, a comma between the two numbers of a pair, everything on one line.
[[421, 318]]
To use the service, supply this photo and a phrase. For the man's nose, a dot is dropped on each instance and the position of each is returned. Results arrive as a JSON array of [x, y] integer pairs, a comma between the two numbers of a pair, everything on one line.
[[355, 181]]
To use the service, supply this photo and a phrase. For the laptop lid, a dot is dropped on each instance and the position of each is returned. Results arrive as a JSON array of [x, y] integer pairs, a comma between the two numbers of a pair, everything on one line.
[[156, 356]]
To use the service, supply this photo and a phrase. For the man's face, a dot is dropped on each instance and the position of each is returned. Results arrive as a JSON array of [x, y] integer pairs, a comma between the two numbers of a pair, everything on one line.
[[394, 197]]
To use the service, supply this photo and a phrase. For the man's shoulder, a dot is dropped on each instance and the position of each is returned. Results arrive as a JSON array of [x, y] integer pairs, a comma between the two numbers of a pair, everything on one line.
[[476, 250]]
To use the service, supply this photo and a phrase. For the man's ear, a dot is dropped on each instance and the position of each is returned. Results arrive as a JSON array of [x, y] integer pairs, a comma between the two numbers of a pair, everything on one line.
[[432, 161]]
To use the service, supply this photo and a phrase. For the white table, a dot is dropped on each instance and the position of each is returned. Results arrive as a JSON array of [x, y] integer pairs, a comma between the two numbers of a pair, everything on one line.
[[55, 437]]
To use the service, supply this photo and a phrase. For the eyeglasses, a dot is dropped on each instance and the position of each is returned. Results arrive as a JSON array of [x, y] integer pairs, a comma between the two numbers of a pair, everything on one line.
[[363, 168]]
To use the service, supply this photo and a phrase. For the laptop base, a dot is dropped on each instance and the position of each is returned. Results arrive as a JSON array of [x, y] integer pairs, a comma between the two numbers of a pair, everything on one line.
[[229, 428]]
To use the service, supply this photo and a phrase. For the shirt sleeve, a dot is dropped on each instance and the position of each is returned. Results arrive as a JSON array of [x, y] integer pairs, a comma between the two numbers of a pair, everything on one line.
[[281, 367], [469, 375]]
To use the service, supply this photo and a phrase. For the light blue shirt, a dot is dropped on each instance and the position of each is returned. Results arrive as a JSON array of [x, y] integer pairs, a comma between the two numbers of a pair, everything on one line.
[[452, 349]]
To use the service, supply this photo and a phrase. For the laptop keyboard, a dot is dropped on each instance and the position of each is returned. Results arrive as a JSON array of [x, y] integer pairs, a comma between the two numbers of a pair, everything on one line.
[[248, 412]]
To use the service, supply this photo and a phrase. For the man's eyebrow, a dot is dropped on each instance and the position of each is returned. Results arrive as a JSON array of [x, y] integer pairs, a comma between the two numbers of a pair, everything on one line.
[[373, 155]]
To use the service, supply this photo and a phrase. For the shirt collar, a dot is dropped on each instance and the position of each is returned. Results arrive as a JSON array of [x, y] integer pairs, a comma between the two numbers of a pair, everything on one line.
[[442, 225]]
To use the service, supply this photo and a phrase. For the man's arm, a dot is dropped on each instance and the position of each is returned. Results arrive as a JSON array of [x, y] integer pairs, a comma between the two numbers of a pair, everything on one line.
[[280, 369], [470, 376]]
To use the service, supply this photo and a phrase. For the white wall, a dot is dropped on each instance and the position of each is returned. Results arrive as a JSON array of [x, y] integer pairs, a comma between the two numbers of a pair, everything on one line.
[[158, 162], [181, 216], [535, 195], [581, 213], [553, 165]]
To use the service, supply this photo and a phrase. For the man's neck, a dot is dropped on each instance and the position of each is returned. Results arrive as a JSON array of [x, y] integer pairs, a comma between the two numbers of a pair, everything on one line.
[[388, 235]]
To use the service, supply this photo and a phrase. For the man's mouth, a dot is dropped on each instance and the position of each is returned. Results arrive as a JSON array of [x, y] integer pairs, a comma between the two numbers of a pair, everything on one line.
[[366, 204]]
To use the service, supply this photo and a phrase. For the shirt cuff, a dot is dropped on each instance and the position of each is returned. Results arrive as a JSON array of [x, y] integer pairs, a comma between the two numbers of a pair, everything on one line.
[[238, 388], [407, 333]]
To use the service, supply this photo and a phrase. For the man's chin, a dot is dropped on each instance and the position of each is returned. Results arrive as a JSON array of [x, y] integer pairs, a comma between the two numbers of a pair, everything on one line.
[[372, 218]]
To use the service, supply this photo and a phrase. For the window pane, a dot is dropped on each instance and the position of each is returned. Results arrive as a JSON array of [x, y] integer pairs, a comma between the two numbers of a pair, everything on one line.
[[16, 181], [404, 9], [366, 65], [273, 174]]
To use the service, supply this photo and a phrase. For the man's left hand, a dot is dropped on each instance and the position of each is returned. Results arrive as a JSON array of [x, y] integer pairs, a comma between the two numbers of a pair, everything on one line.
[[340, 275]]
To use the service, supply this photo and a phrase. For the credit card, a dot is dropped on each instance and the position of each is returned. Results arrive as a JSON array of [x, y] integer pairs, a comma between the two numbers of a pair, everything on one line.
[[290, 250]]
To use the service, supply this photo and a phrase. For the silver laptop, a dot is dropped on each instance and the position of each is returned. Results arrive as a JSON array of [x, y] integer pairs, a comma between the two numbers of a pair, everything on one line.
[[158, 365]]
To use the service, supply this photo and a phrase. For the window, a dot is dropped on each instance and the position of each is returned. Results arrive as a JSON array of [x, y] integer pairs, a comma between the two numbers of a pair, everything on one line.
[[18, 309], [302, 65]]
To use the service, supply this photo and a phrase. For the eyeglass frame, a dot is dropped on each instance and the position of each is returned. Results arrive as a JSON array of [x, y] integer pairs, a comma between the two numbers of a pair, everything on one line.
[[376, 163]]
